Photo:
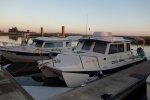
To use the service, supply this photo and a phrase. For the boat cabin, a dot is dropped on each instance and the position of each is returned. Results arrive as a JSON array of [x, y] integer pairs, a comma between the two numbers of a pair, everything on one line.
[[103, 44], [46, 43]]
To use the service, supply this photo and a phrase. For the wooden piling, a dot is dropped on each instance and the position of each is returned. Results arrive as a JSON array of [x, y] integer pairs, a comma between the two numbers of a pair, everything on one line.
[[42, 34], [63, 30]]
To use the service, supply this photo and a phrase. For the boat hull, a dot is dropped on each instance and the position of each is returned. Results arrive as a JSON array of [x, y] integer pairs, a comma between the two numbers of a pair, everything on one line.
[[16, 56], [82, 77]]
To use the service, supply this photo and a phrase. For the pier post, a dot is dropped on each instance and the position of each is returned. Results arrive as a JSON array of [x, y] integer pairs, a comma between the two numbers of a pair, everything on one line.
[[42, 34], [63, 30]]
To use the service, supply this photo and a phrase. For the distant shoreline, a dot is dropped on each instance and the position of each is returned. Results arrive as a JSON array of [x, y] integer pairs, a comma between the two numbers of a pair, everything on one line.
[[147, 38]]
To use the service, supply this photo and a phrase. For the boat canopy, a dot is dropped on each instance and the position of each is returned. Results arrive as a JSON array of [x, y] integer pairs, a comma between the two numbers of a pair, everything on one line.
[[134, 39]]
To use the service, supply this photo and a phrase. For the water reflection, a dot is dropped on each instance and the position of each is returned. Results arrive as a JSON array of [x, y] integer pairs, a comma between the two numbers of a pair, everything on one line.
[[15, 38], [28, 74]]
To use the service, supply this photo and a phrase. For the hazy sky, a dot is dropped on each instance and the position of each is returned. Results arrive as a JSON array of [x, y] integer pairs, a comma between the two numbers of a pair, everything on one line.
[[124, 17]]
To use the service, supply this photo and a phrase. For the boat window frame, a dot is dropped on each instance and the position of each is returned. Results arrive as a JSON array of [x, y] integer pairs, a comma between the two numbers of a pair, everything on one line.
[[128, 46]]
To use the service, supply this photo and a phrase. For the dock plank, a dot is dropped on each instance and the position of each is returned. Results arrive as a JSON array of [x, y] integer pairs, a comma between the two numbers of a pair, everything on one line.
[[9, 90]]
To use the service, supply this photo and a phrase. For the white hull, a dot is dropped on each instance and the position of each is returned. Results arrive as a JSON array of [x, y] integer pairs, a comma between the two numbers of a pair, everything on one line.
[[75, 78], [23, 58]]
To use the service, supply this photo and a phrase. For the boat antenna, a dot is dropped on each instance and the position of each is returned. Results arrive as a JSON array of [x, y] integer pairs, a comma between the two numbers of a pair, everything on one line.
[[86, 23]]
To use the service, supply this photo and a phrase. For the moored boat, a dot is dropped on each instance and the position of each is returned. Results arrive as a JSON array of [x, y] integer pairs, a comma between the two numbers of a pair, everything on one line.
[[94, 57], [41, 48]]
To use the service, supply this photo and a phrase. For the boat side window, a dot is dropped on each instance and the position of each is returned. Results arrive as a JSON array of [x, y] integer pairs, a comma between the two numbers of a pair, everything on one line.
[[68, 44], [39, 44], [87, 45], [100, 47], [33, 43], [120, 47], [115, 48], [128, 46], [53, 44]]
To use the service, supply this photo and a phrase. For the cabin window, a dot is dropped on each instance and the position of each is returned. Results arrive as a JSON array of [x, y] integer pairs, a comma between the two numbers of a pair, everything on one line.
[[120, 47], [115, 48], [100, 47], [33, 43], [39, 44], [128, 46], [87, 45], [68, 44], [55, 44]]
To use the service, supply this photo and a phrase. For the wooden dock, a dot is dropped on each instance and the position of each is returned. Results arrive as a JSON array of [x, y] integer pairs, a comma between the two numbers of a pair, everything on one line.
[[10, 89], [116, 86]]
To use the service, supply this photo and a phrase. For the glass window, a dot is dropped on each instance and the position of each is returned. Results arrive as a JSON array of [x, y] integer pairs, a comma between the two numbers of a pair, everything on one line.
[[120, 47], [87, 45], [115, 48], [68, 44], [39, 44], [100, 47], [53, 44], [33, 43], [128, 46]]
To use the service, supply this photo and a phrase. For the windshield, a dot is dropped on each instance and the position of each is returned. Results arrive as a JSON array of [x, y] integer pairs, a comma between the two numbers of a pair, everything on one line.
[[53, 44], [39, 43], [87, 45], [100, 47]]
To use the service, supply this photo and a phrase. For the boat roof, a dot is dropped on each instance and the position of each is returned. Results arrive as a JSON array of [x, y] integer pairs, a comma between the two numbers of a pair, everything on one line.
[[105, 39], [74, 37], [135, 39], [47, 39]]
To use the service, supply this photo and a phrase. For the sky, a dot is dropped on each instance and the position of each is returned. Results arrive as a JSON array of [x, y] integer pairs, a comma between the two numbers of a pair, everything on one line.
[[121, 17]]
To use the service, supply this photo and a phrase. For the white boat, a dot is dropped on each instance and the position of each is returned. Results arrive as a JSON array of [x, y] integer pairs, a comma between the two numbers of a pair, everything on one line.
[[93, 58], [41, 48]]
